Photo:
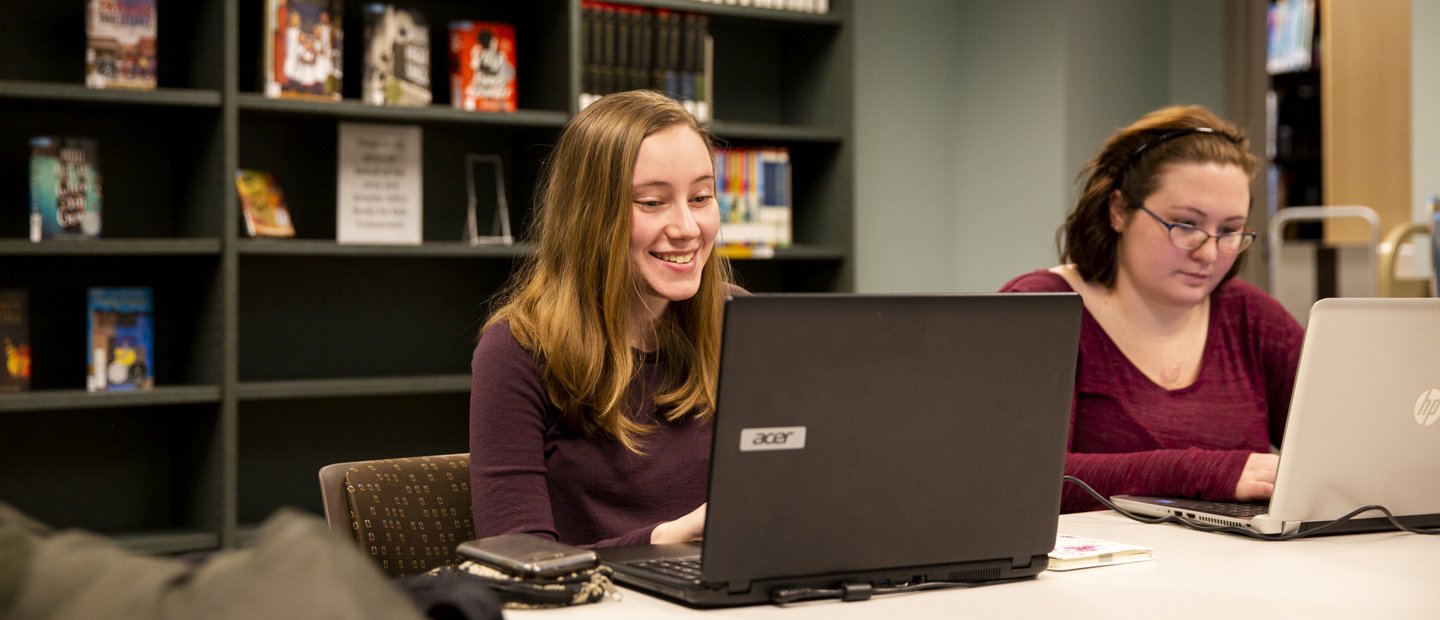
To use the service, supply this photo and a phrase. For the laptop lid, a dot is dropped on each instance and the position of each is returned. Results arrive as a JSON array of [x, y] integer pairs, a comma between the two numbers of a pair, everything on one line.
[[1364, 422], [865, 432]]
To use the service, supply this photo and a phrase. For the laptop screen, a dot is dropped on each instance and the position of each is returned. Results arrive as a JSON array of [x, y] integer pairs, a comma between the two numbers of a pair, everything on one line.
[[1357, 432], [867, 431]]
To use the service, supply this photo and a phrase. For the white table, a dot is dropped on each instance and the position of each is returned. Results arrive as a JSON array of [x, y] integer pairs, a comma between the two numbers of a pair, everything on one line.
[[1193, 575]]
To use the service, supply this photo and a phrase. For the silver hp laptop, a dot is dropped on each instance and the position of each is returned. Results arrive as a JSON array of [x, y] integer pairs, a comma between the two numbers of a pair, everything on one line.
[[1364, 426], [877, 441]]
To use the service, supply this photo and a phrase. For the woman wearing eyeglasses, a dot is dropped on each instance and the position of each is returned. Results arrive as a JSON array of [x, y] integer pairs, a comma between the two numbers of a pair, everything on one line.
[[1184, 374]]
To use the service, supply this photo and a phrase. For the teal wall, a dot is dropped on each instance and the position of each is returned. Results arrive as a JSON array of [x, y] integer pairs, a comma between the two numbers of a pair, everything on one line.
[[1425, 89], [905, 88], [973, 117]]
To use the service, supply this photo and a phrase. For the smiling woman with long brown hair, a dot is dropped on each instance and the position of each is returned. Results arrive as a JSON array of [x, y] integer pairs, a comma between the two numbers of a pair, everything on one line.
[[594, 382]]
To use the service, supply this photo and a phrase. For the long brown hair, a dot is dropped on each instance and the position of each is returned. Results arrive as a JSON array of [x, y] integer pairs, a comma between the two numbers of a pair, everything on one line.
[[1132, 160], [568, 305]]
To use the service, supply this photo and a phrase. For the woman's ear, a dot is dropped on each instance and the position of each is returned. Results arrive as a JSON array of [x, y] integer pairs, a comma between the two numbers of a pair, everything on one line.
[[1117, 211]]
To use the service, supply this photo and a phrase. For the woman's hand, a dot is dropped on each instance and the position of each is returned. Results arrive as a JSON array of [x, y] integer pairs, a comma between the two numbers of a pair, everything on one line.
[[685, 529], [1257, 480]]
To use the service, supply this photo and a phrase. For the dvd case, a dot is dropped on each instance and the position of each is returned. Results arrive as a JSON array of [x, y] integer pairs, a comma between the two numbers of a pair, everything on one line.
[[121, 339], [65, 191], [482, 71]]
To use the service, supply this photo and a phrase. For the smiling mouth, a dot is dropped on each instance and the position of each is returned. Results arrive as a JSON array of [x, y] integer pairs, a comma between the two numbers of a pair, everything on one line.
[[679, 259]]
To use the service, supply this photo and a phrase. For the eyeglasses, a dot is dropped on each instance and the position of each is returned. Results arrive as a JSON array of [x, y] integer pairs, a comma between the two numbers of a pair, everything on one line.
[[1189, 237]]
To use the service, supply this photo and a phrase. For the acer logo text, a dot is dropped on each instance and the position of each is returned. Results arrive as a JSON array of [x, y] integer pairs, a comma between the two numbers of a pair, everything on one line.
[[772, 438]]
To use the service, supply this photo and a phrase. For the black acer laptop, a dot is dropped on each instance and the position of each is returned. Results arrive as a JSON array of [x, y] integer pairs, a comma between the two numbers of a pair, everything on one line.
[[879, 442]]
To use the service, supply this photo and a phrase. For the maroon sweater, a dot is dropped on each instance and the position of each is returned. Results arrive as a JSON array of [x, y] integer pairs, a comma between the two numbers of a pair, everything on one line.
[[530, 471], [1131, 436]]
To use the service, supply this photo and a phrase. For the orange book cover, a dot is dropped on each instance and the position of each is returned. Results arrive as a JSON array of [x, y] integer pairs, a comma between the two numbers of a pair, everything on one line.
[[15, 334], [263, 204], [482, 66]]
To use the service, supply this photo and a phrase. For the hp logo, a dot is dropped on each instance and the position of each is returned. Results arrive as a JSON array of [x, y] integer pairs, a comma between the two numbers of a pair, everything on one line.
[[1427, 407]]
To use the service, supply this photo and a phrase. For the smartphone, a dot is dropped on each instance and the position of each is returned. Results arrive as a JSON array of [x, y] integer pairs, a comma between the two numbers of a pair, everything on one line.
[[527, 555]]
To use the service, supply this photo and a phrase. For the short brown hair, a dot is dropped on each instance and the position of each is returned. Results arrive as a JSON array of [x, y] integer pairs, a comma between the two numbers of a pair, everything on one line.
[[1131, 160]]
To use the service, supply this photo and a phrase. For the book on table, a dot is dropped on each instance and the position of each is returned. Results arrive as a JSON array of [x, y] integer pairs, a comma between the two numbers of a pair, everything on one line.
[[1072, 552]]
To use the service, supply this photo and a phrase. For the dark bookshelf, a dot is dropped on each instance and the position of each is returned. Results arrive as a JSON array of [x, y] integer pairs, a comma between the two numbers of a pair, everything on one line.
[[278, 356], [1295, 146], [1297, 153]]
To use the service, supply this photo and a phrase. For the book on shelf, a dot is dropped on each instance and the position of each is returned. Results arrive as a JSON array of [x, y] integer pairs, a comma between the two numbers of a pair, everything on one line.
[[303, 45], [627, 48], [263, 205], [1290, 36], [793, 6], [15, 337], [121, 339], [65, 196], [483, 66], [752, 188], [694, 74], [120, 44], [379, 191], [397, 56], [1072, 552]]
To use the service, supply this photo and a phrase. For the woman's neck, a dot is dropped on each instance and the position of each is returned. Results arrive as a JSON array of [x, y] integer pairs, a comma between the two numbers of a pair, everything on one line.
[[1149, 315], [643, 315]]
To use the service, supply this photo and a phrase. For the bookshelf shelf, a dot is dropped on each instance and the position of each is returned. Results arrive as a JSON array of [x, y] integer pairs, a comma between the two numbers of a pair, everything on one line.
[[306, 247], [458, 249], [111, 247], [54, 400], [768, 15], [792, 253], [356, 387], [773, 131], [275, 357], [78, 93], [433, 114]]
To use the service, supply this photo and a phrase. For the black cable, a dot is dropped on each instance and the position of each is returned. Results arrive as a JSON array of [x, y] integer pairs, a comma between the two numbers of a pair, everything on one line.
[[860, 591], [1230, 529]]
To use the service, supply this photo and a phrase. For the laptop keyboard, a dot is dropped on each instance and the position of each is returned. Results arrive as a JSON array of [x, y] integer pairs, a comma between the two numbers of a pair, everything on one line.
[[685, 569]]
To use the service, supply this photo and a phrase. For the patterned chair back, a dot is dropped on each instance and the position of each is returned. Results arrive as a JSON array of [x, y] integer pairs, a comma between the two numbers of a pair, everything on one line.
[[409, 514]]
